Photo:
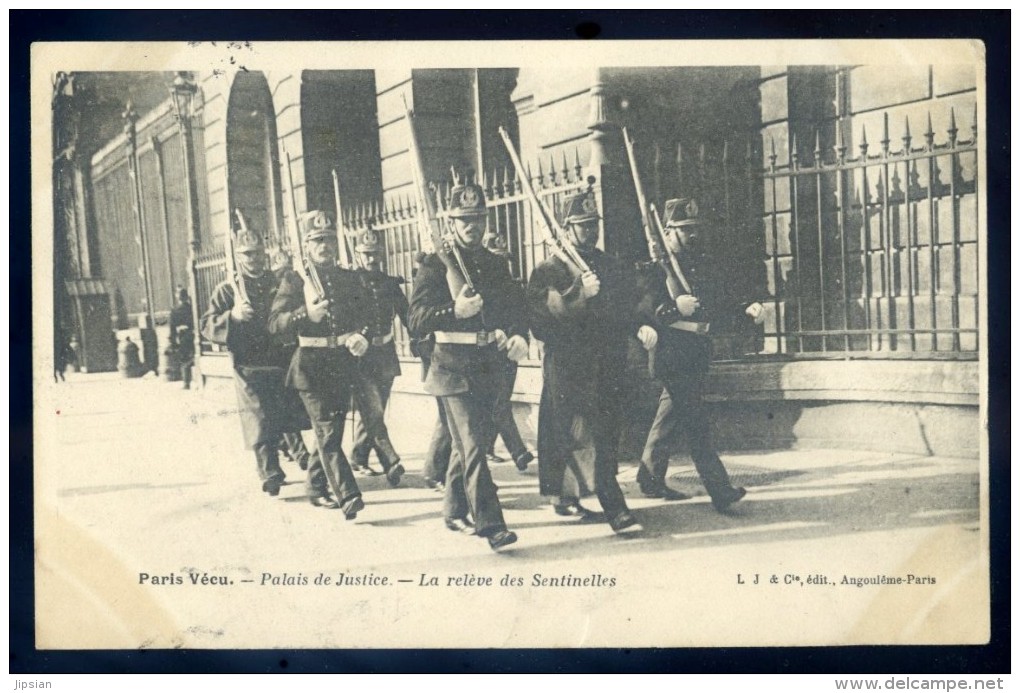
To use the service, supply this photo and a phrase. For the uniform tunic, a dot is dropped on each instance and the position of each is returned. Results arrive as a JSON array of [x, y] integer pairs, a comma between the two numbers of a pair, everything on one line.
[[467, 377], [323, 375], [259, 360], [583, 376]]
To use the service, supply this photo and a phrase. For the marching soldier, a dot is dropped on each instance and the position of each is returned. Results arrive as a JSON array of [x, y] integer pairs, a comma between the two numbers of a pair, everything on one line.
[[682, 358], [437, 457], [379, 367], [331, 333], [506, 426], [585, 322], [266, 408], [292, 445], [473, 333]]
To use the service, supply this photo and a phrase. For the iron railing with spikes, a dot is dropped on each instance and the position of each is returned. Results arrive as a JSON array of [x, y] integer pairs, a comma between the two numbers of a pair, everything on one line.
[[211, 268], [875, 253]]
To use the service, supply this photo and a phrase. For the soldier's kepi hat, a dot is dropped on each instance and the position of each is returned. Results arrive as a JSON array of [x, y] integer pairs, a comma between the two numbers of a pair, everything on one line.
[[580, 207], [467, 200], [367, 242], [316, 224], [682, 211]]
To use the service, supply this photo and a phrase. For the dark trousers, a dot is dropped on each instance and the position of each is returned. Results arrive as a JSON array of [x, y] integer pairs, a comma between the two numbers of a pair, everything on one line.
[[506, 426], [293, 446], [328, 412], [596, 446], [437, 458], [371, 394], [681, 410], [469, 485], [267, 460]]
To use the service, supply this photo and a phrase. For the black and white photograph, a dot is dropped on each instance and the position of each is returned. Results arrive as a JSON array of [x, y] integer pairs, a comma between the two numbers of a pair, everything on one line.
[[647, 344]]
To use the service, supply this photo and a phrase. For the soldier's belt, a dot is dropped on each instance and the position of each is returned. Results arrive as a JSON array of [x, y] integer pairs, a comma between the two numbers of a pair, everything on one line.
[[482, 338], [330, 342], [382, 339], [690, 326]]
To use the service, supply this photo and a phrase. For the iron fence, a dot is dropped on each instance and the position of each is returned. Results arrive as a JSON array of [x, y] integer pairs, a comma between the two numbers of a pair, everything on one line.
[[875, 253], [211, 269]]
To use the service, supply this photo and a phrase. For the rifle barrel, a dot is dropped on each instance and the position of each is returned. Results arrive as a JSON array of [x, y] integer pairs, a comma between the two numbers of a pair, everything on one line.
[[428, 215], [672, 258], [348, 258], [561, 247], [232, 272], [300, 265]]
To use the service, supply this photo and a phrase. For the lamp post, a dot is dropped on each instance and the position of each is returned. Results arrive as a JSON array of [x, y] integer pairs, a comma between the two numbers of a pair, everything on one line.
[[183, 92], [130, 117]]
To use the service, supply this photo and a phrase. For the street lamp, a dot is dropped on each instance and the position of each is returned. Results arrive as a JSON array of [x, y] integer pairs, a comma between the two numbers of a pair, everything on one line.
[[130, 117], [183, 92]]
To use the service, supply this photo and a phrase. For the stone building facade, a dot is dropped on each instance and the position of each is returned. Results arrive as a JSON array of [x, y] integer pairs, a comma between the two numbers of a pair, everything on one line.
[[845, 198]]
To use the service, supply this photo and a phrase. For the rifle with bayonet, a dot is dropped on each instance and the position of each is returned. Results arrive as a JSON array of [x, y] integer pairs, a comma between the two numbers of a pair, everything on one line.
[[233, 274], [656, 237], [348, 258], [554, 235], [429, 221], [302, 266], [674, 264]]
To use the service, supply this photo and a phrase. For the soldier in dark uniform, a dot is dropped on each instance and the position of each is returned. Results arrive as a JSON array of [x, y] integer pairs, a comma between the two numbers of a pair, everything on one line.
[[506, 426], [585, 321], [683, 355], [292, 444], [437, 457], [265, 406], [331, 331], [182, 334], [379, 367], [472, 333]]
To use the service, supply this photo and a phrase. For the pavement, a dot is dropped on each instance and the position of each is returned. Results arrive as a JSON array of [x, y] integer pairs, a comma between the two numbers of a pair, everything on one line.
[[146, 502]]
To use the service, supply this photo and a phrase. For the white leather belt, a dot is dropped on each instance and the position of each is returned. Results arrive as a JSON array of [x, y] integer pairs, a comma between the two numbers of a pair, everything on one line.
[[690, 326], [382, 339], [330, 342], [482, 338]]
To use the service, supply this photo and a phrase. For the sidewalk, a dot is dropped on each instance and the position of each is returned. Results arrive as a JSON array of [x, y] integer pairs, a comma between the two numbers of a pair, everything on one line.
[[140, 476]]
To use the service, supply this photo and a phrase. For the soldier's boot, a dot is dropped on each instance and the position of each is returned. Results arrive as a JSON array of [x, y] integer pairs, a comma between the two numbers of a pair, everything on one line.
[[649, 485], [268, 460], [717, 482], [389, 459]]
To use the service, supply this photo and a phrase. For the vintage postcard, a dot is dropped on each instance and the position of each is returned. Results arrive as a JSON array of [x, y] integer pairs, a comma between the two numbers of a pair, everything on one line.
[[510, 344]]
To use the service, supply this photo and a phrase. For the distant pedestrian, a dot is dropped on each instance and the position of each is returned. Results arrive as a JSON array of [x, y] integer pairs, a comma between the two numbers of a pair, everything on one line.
[[182, 334]]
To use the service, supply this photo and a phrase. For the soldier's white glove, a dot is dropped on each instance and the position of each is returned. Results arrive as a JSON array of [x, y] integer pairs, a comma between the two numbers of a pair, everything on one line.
[[466, 306], [242, 312], [648, 337], [517, 348], [357, 344], [317, 309], [756, 312], [687, 304], [590, 284], [500, 338]]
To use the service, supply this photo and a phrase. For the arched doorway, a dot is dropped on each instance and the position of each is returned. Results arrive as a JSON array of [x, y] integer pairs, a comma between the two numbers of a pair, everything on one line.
[[253, 168]]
